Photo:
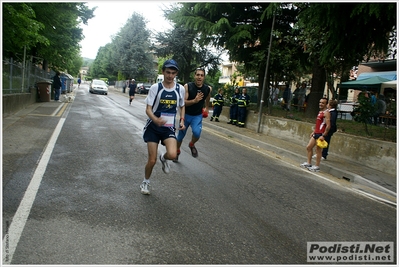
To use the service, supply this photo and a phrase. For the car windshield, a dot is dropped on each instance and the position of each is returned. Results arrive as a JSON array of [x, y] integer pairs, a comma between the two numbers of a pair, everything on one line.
[[99, 83]]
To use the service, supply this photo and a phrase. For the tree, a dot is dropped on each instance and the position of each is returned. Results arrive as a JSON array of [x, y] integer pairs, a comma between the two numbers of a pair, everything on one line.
[[132, 53], [338, 36], [104, 65], [49, 31], [181, 43], [61, 21], [243, 29], [20, 29], [364, 111]]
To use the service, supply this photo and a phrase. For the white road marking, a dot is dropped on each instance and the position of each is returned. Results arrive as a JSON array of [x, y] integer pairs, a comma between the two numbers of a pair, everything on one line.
[[14, 231]]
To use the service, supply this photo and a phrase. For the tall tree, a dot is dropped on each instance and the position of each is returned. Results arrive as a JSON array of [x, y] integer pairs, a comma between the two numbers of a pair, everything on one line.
[[49, 31], [103, 65], [20, 29], [62, 28], [338, 36], [243, 29], [132, 49]]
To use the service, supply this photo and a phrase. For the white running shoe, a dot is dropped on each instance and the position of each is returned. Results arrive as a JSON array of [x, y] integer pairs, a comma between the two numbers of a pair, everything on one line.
[[145, 188], [322, 158], [305, 165], [165, 165], [314, 169]]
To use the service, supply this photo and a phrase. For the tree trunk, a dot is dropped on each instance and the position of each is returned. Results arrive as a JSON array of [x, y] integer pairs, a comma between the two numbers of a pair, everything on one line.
[[317, 89]]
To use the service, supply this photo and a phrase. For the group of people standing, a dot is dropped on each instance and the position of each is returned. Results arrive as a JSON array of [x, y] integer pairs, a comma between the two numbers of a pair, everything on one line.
[[238, 107]]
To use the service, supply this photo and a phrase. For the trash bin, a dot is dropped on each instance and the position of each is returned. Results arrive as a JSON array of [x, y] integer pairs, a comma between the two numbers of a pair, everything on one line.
[[66, 83], [44, 90]]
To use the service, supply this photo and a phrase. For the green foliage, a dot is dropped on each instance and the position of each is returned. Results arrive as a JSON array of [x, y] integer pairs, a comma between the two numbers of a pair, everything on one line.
[[364, 111], [49, 31], [128, 55], [20, 28]]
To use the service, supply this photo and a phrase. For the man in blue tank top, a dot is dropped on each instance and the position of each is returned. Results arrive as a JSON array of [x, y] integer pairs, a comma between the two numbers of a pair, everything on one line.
[[163, 101]]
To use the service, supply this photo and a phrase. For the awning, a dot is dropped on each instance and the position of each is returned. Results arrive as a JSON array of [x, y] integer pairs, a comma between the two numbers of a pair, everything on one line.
[[365, 84], [390, 75]]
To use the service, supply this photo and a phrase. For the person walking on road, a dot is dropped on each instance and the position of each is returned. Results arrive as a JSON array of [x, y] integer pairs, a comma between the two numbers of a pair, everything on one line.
[[217, 104], [243, 103], [197, 97], [320, 132], [132, 90], [234, 107], [57, 86], [162, 102]]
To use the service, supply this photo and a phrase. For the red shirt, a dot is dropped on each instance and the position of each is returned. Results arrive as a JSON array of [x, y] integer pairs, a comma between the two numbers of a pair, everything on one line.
[[320, 123]]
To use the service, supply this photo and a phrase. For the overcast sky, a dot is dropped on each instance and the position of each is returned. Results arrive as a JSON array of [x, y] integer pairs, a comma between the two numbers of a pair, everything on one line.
[[111, 16]]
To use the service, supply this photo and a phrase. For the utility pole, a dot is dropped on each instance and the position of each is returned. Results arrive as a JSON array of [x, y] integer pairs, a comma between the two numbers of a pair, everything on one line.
[[266, 73]]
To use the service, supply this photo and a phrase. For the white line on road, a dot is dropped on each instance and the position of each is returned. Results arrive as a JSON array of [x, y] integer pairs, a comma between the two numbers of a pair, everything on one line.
[[14, 231]]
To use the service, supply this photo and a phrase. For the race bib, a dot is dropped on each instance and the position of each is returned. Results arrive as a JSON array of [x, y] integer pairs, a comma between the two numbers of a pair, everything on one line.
[[169, 118]]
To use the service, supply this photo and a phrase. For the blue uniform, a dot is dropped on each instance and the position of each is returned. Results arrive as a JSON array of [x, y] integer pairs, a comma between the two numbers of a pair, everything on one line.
[[234, 108], [218, 104], [242, 102]]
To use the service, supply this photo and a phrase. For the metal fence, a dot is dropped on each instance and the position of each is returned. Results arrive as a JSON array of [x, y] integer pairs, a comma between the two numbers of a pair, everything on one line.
[[17, 79]]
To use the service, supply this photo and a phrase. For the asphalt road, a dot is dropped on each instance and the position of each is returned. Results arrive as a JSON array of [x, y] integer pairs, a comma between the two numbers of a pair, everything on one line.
[[231, 205]]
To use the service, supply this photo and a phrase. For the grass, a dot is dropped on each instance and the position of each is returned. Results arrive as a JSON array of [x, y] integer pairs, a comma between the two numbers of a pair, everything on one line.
[[344, 125]]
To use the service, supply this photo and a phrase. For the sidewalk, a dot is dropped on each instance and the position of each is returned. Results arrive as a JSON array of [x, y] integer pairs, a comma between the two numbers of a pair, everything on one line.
[[351, 174]]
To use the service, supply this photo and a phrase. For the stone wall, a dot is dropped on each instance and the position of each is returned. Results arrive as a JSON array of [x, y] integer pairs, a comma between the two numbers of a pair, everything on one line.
[[12, 103], [381, 154]]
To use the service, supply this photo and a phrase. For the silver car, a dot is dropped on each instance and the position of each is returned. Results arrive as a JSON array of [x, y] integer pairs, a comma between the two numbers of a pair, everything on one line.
[[98, 87]]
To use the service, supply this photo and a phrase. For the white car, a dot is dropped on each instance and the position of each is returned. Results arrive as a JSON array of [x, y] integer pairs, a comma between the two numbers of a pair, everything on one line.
[[98, 87]]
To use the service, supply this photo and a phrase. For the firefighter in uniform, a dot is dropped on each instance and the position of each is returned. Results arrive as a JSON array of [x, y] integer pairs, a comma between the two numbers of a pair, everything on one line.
[[243, 103], [234, 107], [217, 103]]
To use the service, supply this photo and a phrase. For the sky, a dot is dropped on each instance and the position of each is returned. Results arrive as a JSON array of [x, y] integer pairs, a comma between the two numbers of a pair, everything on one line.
[[111, 16]]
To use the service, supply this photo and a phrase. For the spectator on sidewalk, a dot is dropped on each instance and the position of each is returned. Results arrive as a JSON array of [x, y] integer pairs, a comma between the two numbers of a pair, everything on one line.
[[234, 107], [197, 97], [243, 103], [332, 109], [218, 103], [320, 131], [162, 102], [57, 86]]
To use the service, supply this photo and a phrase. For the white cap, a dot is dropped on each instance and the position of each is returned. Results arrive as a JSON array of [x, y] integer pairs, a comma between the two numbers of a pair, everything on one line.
[[133, 80]]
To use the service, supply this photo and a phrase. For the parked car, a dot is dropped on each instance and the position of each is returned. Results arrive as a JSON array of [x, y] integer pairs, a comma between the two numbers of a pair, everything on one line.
[[143, 88], [98, 87]]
